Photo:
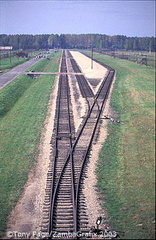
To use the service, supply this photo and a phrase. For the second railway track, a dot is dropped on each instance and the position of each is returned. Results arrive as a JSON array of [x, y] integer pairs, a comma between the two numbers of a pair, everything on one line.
[[65, 205]]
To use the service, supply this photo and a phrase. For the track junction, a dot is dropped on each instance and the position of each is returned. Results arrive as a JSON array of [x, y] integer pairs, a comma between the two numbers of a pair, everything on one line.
[[65, 204]]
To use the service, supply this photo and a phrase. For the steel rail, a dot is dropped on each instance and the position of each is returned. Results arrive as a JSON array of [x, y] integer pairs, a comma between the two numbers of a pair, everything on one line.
[[50, 228], [89, 147], [71, 151], [55, 147], [73, 62]]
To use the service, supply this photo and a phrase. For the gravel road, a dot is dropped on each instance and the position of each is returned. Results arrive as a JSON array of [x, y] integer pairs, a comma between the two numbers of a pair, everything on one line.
[[8, 77]]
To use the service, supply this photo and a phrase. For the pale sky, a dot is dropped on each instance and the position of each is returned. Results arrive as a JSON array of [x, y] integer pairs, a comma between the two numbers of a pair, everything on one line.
[[118, 17]]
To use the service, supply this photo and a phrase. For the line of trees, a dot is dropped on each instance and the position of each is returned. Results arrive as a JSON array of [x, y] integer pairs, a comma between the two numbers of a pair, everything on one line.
[[81, 41]]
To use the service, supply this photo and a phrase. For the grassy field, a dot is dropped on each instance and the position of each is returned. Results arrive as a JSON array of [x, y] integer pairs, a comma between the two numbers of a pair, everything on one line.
[[22, 114], [125, 170], [11, 61], [134, 56], [46, 65], [6, 64]]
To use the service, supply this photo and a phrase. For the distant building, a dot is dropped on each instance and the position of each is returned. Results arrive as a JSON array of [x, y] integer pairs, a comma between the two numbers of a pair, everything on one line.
[[6, 48], [22, 54]]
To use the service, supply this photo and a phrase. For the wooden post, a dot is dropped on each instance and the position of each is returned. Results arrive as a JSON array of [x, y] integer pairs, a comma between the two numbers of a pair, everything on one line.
[[92, 60]]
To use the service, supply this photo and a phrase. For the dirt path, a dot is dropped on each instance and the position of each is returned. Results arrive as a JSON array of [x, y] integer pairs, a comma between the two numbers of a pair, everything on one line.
[[27, 215]]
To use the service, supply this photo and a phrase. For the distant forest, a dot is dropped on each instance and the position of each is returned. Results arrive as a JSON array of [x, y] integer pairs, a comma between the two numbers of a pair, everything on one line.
[[81, 41]]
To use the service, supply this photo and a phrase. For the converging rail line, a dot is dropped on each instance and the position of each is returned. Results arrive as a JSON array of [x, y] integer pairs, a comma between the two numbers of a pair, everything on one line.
[[65, 205]]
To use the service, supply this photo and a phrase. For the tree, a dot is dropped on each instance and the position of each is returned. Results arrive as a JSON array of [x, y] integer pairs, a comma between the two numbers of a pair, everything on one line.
[[135, 44], [62, 41], [82, 41]]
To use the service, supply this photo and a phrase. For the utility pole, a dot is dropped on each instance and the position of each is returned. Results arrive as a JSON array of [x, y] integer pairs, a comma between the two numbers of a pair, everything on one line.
[[10, 56], [92, 60], [0, 63]]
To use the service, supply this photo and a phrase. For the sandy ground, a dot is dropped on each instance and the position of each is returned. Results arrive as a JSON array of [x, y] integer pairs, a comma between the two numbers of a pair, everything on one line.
[[79, 103], [27, 215], [90, 70], [84, 62]]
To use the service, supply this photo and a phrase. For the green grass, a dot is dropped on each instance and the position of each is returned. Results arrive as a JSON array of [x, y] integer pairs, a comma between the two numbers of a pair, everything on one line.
[[56, 54], [22, 117], [35, 53], [125, 170], [8, 54], [6, 65], [46, 65], [10, 95]]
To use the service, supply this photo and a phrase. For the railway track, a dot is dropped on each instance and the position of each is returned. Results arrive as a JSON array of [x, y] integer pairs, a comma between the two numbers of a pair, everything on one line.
[[65, 205]]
